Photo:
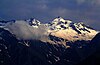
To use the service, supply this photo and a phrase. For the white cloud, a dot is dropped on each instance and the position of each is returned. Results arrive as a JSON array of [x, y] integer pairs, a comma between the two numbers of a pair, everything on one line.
[[42, 1], [24, 31], [93, 2], [60, 12], [96, 2], [42, 7], [80, 1]]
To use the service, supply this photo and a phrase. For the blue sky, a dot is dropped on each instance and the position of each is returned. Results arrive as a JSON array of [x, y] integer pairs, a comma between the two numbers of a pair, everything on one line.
[[87, 11]]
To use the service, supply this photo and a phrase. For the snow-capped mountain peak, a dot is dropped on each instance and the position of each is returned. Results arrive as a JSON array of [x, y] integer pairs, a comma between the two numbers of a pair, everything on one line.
[[33, 22], [60, 20], [65, 29], [71, 31], [60, 23]]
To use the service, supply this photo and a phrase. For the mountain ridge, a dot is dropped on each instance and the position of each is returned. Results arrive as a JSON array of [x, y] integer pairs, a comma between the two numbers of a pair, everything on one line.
[[61, 42], [61, 28], [29, 52]]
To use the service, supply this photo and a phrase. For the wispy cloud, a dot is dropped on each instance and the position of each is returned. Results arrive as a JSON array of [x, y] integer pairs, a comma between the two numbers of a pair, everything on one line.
[[60, 12], [45, 10], [80, 1], [24, 31]]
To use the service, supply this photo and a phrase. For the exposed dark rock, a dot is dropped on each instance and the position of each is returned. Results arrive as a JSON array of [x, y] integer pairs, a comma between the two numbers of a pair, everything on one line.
[[36, 52]]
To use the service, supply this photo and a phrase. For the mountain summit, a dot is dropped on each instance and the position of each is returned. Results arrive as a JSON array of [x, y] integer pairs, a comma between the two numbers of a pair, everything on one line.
[[62, 28], [71, 31], [60, 42]]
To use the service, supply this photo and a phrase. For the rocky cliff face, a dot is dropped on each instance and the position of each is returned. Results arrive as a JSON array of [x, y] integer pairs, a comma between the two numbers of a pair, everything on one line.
[[61, 42], [36, 52], [94, 58]]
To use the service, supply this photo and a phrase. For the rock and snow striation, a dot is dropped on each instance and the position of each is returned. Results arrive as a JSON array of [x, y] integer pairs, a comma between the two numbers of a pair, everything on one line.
[[71, 31], [64, 42], [65, 29], [33, 22]]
